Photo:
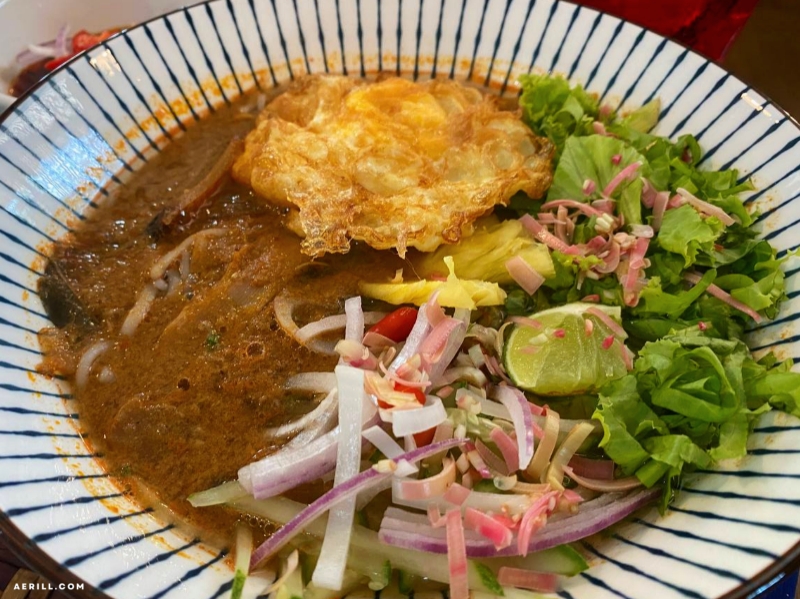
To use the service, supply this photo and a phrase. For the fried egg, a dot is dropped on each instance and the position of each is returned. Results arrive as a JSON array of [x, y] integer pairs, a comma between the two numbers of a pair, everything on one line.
[[393, 163]]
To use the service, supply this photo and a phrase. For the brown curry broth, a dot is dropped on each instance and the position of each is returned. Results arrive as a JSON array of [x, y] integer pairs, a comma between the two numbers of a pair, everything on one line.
[[182, 416]]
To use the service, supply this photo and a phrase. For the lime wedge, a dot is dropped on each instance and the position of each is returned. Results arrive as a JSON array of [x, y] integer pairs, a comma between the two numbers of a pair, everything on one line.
[[555, 354]]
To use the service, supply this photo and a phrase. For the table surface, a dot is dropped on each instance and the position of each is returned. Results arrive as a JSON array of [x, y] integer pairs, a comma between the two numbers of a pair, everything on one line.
[[760, 56]]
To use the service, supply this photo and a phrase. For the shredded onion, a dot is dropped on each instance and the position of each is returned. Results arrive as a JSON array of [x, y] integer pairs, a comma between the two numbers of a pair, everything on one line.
[[494, 409], [383, 442], [575, 438], [457, 494], [635, 266], [705, 207], [574, 204], [542, 234], [604, 485], [659, 208], [541, 458], [139, 311], [507, 446], [524, 274], [492, 460], [292, 562], [422, 327], [648, 193], [594, 516], [425, 488], [420, 419], [724, 296], [377, 341], [354, 324], [642, 231], [456, 555], [627, 173], [84, 368], [611, 261], [487, 527], [520, 410], [364, 480], [612, 324]]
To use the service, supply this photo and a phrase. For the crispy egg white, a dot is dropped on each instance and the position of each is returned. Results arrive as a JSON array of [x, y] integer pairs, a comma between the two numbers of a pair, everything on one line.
[[394, 163]]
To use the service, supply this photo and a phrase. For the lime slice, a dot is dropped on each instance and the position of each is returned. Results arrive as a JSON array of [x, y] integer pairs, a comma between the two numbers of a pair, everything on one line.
[[559, 356]]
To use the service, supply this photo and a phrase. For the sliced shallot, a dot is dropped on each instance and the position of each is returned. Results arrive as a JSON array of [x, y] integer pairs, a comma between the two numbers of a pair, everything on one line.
[[604, 486]]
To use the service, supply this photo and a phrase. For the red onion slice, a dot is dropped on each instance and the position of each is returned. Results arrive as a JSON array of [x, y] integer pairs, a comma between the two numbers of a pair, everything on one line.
[[542, 234], [612, 324], [62, 42], [520, 410], [575, 205], [488, 527], [648, 193], [627, 173], [659, 208], [492, 460], [422, 327], [507, 447], [456, 555], [594, 516], [705, 207], [426, 488], [335, 496], [604, 485], [524, 274]]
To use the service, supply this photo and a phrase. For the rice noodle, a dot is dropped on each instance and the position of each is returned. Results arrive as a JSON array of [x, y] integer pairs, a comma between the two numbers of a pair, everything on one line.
[[324, 412], [312, 382], [329, 324], [139, 311], [87, 361], [160, 267]]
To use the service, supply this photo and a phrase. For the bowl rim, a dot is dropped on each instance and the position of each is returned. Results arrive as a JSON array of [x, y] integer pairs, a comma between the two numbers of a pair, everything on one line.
[[39, 560]]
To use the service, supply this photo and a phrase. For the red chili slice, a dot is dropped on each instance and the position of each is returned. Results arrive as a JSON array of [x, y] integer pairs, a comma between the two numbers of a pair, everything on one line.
[[396, 325]]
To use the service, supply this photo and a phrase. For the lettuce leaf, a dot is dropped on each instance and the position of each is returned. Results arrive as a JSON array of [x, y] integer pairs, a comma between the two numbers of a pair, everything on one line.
[[554, 110], [590, 157], [684, 232], [625, 419]]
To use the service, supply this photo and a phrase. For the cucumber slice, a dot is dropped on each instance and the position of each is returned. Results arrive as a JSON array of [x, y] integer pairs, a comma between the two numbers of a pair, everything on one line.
[[564, 560], [244, 549]]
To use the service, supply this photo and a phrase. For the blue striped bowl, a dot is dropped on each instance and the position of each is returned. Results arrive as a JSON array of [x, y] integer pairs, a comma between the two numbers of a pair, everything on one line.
[[92, 124]]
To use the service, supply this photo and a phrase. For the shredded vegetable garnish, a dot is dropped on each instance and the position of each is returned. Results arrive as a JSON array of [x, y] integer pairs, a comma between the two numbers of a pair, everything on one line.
[[541, 396]]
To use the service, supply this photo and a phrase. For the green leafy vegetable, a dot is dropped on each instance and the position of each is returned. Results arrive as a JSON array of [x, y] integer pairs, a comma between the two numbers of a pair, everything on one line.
[[684, 232], [590, 157], [553, 109]]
